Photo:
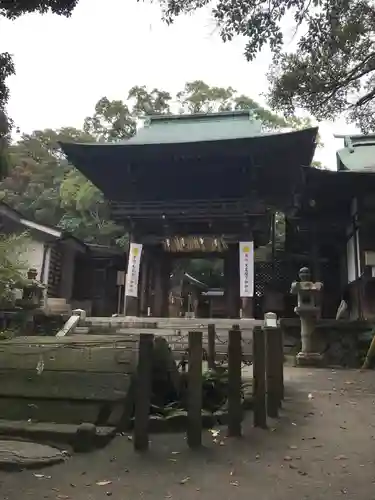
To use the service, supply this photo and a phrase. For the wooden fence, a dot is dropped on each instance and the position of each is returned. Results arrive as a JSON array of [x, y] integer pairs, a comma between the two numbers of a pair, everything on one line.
[[268, 382]]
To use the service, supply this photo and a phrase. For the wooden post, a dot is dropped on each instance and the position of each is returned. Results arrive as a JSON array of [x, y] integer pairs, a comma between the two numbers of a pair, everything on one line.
[[143, 391], [211, 355], [259, 377], [144, 280], [234, 382], [194, 430], [273, 359], [162, 281], [280, 363]]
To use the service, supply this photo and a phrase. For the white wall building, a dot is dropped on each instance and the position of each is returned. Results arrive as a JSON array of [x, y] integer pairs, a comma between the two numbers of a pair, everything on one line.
[[51, 252]]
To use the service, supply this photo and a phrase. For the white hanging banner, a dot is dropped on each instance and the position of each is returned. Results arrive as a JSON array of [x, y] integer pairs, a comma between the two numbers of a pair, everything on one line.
[[246, 268], [132, 277]]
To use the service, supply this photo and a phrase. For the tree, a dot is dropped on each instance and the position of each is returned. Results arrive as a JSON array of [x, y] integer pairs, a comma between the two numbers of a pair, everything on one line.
[[12, 10], [332, 69], [44, 187], [145, 103], [111, 121], [12, 265]]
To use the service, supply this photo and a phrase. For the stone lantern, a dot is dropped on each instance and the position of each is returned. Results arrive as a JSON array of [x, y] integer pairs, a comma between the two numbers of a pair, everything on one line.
[[308, 309]]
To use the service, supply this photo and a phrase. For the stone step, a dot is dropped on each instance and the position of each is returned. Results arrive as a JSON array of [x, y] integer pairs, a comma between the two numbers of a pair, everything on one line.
[[53, 433], [81, 330]]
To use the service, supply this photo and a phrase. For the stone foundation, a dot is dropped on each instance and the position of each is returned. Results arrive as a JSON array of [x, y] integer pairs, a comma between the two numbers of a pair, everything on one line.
[[340, 343]]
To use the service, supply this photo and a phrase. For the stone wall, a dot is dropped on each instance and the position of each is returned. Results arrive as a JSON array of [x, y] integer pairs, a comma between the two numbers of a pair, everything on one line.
[[343, 342]]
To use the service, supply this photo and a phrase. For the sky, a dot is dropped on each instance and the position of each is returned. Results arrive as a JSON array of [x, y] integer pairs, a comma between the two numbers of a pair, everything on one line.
[[64, 66]]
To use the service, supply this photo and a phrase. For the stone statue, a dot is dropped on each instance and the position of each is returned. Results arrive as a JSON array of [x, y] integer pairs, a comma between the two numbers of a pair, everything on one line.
[[32, 299], [33, 291], [308, 309]]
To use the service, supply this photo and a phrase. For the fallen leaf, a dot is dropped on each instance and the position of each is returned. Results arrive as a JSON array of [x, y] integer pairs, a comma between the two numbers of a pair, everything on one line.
[[234, 483], [341, 457], [185, 480], [103, 483]]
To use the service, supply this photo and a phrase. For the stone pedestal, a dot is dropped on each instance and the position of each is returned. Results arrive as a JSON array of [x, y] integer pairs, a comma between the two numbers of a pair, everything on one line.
[[308, 309], [308, 356]]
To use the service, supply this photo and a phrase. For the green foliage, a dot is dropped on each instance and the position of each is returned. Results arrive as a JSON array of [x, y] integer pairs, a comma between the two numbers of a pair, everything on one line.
[[332, 69], [16, 8], [145, 103], [111, 121], [198, 97], [12, 265]]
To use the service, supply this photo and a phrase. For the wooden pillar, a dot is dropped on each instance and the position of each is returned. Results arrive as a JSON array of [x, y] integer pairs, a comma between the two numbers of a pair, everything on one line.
[[194, 410], [259, 377], [234, 382], [143, 392], [274, 370], [314, 253], [162, 269], [166, 282], [144, 289], [211, 346], [232, 281]]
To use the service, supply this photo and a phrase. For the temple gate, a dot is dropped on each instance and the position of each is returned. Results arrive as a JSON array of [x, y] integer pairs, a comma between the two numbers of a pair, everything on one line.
[[197, 186]]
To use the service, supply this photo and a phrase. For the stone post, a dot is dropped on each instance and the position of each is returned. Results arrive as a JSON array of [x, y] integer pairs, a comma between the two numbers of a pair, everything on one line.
[[308, 309], [32, 299]]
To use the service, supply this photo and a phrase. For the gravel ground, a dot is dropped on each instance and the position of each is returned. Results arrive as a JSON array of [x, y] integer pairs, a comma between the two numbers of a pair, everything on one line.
[[322, 447]]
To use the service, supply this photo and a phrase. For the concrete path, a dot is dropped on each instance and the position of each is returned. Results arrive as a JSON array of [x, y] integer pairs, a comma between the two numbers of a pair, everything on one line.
[[323, 447]]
